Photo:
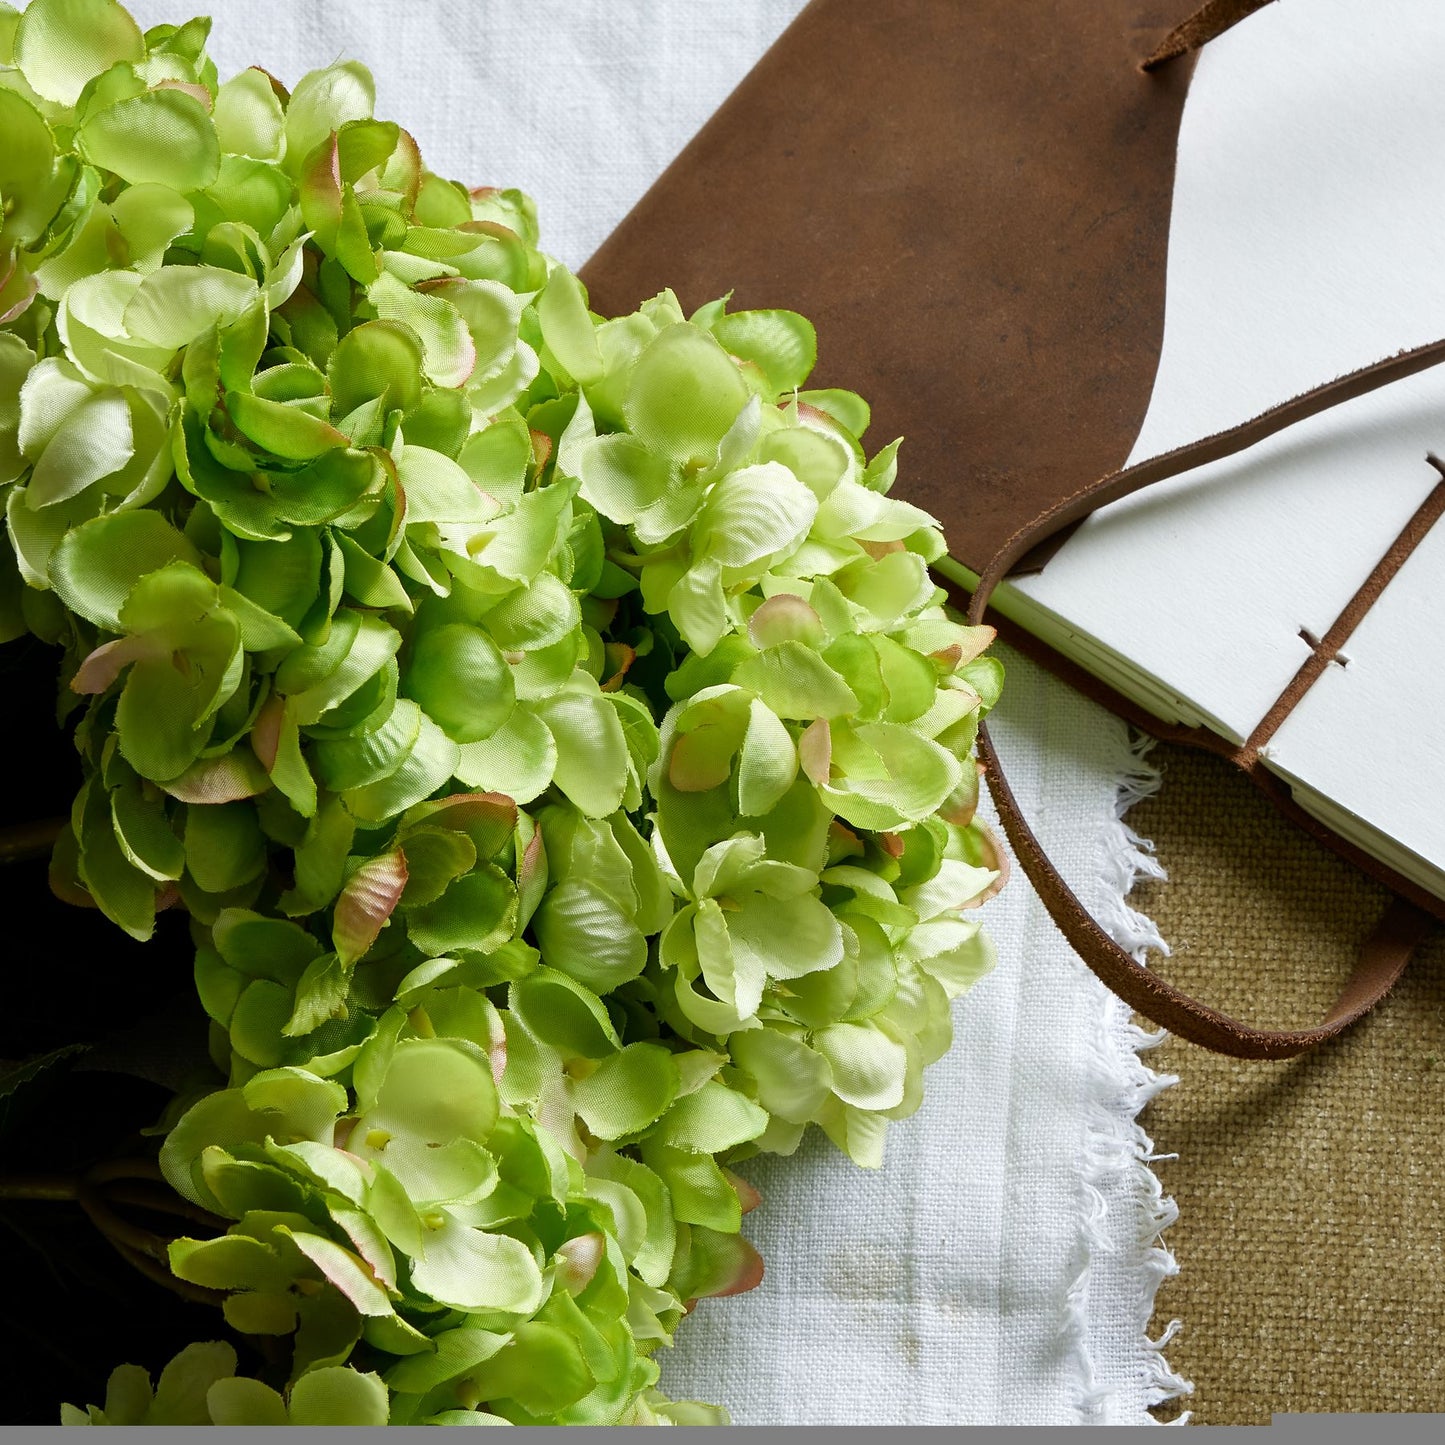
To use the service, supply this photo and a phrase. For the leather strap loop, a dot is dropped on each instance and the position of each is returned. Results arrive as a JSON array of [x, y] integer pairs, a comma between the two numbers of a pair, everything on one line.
[[1388, 949]]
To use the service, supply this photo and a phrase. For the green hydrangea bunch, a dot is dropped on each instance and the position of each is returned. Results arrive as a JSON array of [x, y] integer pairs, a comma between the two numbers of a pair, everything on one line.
[[548, 723]]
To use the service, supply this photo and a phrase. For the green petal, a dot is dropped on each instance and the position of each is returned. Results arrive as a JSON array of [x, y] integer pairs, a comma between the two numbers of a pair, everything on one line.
[[96, 565], [477, 912], [586, 934], [768, 762], [567, 328], [683, 394], [95, 441], [439, 490], [163, 136], [519, 759], [323, 101], [462, 681], [457, 1352], [868, 1067], [712, 1119], [753, 513], [564, 1015], [792, 1080], [782, 344], [239, 1401], [174, 305], [592, 756], [470, 1269], [448, 351], [248, 116], [627, 1091], [62, 44]]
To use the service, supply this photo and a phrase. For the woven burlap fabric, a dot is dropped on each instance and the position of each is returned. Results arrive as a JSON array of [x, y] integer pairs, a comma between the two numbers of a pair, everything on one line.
[[1311, 1193]]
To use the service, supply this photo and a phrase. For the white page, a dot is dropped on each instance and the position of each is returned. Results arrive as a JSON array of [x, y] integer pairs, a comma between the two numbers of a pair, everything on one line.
[[1306, 240]]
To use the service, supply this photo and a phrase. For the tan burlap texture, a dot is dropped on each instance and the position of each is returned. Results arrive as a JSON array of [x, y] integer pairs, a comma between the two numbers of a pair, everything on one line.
[[1311, 1193]]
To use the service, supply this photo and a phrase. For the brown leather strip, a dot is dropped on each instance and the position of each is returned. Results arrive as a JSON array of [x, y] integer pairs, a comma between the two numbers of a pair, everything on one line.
[[1210, 20], [1389, 948], [1411, 535]]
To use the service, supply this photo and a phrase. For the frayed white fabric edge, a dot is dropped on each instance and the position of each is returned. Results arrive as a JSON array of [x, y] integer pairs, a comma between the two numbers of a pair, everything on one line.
[[1116, 1153]]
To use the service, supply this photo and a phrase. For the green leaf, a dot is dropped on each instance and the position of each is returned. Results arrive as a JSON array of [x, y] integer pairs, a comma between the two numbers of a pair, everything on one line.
[[164, 136], [62, 44]]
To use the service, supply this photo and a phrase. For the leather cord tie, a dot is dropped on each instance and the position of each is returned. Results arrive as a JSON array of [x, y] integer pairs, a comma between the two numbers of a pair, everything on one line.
[[1388, 949]]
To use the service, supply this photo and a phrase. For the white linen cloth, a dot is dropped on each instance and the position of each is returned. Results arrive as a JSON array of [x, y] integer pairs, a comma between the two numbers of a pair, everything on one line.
[[1000, 1268]]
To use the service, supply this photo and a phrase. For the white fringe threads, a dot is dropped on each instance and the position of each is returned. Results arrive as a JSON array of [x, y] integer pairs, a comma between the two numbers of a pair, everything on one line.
[[1114, 1158]]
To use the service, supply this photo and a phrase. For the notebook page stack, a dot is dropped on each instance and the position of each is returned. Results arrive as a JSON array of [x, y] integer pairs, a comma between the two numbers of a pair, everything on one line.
[[1307, 239]]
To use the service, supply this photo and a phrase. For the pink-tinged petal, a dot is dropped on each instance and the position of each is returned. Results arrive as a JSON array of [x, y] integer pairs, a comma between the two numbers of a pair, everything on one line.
[[815, 751], [948, 658], [748, 1269], [321, 197], [619, 658], [749, 1196], [168, 896], [226, 779], [366, 903], [532, 861], [993, 856], [16, 295], [266, 731], [891, 844], [198, 93], [103, 666], [961, 804], [698, 762], [488, 819], [541, 449], [497, 1033], [878, 550], [577, 1261], [785, 617]]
